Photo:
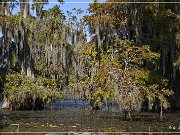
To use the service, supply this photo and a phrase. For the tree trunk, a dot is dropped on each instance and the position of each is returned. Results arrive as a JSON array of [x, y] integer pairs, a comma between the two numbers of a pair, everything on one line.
[[94, 105], [6, 104], [98, 44], [128, 115]]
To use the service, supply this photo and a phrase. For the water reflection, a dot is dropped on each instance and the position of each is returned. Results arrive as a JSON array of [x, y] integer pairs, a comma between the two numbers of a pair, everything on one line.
[[70, 116]]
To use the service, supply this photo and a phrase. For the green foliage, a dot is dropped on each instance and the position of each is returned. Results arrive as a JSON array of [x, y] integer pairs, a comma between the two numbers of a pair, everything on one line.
[[54, 12], [21, 89], [121, 75], [107, 66], [133, 54], [177, 62]]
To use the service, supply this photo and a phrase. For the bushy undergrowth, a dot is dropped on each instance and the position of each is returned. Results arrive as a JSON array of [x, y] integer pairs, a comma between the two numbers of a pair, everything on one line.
[[30, 93]]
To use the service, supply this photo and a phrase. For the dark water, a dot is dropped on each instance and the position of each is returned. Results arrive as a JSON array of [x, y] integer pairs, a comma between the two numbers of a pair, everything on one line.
[[77, 117]]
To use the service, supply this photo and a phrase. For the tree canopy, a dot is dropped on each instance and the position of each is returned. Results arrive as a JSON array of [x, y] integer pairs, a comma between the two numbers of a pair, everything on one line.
[[132, 57]]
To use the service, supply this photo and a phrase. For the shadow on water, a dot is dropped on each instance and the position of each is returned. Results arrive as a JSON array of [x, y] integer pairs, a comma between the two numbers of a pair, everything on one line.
[[66, 117], [2, 124]]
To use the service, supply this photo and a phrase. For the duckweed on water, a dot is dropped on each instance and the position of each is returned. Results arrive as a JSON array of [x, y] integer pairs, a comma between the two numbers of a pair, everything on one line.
[[78, 121]]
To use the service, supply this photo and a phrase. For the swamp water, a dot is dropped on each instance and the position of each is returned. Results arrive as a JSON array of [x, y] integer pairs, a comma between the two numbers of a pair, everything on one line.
[[77, 117]]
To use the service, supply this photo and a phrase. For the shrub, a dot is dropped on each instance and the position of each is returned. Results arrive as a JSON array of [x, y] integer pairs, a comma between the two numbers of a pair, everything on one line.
[[30, 93]]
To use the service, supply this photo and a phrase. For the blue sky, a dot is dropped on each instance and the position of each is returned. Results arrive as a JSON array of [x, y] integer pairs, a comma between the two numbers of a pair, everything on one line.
[[67, 6], [70, 4], [83, 4]]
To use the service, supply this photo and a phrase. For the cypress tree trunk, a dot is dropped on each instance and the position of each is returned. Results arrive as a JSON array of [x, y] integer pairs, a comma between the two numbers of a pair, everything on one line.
[[98, 44], [26, 59]]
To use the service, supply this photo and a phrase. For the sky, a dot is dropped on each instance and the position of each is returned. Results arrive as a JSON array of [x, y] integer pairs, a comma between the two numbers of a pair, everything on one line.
[[67, 6], [70, 4]]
